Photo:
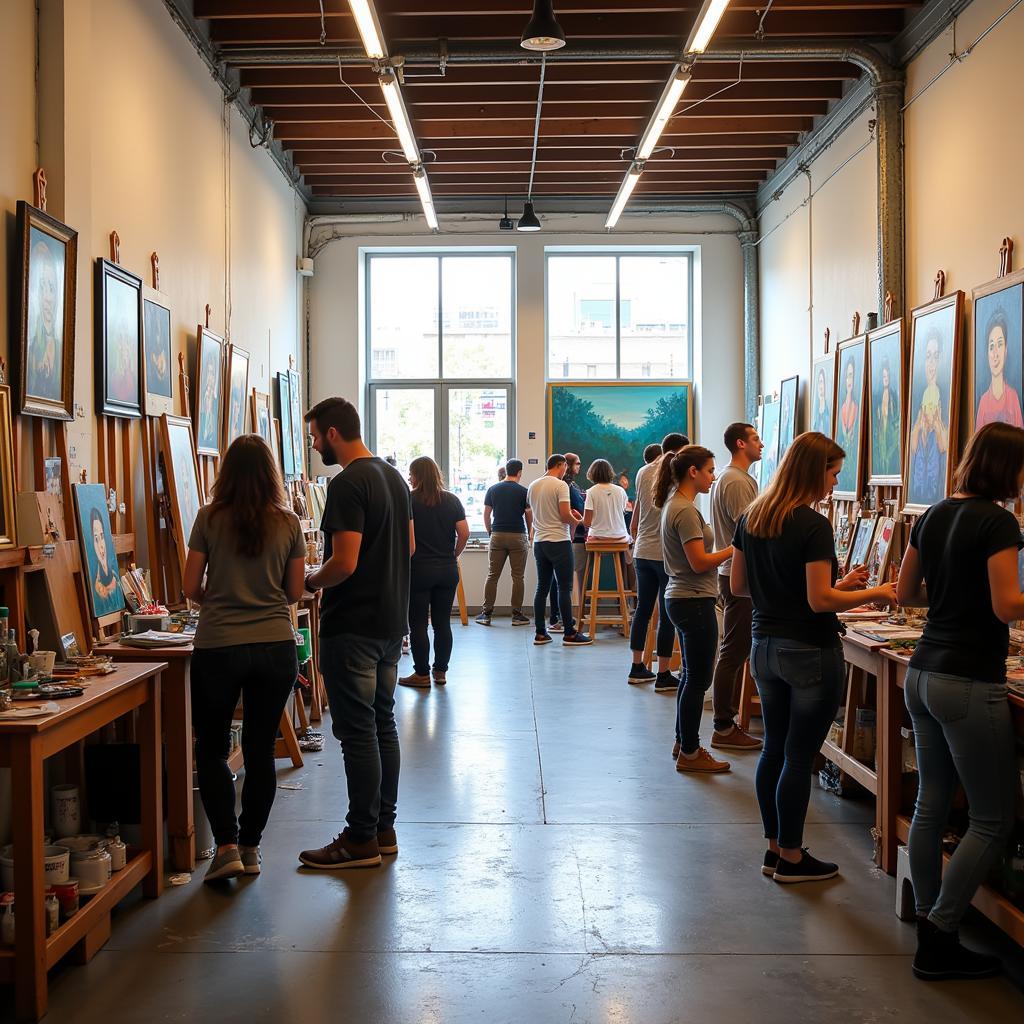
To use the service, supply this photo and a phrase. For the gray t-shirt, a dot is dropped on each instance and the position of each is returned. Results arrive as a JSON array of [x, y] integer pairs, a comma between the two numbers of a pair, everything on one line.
[[682, 522], [245, 602], [731, 496], [648, 531]]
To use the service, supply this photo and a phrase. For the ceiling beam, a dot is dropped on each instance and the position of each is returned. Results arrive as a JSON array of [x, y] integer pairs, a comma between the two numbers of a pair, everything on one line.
[[484, 161], [382, 170], [459, 191]]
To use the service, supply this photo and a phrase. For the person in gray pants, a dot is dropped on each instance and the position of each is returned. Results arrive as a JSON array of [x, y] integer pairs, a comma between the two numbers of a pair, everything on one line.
[[508, 520]]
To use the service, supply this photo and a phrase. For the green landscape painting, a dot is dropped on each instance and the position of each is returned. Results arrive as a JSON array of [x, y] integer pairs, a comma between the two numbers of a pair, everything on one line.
[[616, 421]]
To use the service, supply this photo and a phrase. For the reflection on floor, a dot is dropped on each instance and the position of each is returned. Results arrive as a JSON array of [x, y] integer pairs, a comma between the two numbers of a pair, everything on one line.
[[553, 867]]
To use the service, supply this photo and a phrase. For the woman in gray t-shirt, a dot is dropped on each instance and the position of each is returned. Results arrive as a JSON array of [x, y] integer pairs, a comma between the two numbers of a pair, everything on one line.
[[688, 544]]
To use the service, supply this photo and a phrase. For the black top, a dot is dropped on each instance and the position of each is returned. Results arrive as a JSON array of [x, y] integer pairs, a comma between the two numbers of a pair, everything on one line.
[[578, 503], [962, 636], [435, 529], [370, 498], [508, 502], [777, 577]]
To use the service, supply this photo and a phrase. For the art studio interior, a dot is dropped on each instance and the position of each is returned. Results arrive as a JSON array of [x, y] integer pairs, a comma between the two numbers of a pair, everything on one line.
[[419, 416]]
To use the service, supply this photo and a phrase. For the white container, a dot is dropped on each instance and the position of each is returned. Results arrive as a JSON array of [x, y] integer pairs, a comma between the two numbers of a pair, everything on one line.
[[55, 866], [65, 814], [92, 869], [76, 844], [118, 854]]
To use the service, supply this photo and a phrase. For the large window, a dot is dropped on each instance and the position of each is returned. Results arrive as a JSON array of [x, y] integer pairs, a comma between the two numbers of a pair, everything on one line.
[[617, 316], [440, 353]]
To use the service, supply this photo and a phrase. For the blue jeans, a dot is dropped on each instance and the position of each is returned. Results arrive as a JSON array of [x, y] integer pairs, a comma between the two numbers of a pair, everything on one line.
[[697, 624], [554, 559], [962, 733], [801, 686], [360, 674], [651, 581]]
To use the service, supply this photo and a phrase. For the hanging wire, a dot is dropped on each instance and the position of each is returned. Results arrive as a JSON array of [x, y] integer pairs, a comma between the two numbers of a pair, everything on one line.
[[536, 125], [341, 78], [759, 31], [717, 92], [323, 25]]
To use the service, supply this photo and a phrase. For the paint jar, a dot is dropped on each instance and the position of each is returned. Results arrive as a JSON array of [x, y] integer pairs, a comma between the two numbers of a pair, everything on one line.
[[67, 897], [65, 815], [118, 854]]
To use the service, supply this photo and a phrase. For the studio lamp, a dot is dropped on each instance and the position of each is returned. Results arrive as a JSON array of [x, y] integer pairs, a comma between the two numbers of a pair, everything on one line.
[[528, 221], [543, 33]]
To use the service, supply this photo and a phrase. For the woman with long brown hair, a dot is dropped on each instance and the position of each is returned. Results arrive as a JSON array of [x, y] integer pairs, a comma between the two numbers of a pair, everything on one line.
[[785, 560], [249, 545], [441, 534]]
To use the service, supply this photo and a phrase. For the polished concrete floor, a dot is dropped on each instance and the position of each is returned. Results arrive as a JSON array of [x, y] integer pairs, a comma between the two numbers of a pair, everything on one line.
[[553, 868]]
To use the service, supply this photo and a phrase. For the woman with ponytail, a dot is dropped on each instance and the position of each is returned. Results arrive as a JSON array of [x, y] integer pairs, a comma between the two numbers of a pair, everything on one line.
[[785, 560]]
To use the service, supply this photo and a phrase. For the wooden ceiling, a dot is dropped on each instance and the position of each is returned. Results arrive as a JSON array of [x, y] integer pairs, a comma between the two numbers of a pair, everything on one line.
[[475, 121]]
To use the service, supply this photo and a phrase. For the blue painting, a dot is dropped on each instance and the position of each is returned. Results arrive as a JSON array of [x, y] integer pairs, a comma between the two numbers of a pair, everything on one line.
[[99, 559]]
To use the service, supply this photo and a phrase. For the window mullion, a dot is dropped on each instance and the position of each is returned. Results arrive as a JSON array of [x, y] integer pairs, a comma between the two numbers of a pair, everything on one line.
[[618, 318]]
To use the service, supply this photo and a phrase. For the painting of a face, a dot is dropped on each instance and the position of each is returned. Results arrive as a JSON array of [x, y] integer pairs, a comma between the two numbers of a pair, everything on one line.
[[997, 357], [45, 351], [122, 332], [97, 544], [821, 399], [885, 404], [208, 404], [238, 383], [157, 333], [848, 431]]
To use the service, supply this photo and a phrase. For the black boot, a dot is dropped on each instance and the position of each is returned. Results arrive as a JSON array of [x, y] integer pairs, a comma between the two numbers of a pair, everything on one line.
[[940, 956]]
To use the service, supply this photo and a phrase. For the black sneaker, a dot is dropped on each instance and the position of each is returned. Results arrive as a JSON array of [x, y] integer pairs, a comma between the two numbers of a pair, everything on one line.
[[556, 627], [484, 618], [343, 853], [519, 619], [940, 957], [541, 638], [807, 869], [576, 639], [771, 862], [665, 682], [639, 673]]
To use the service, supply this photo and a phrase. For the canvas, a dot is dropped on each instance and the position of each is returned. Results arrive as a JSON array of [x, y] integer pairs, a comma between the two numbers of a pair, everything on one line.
[[182, 477], [881, 546], [118, 312], [236, 392], [885, 405], [99, 561], [849, 406], [770, 417], [997, 358], [860, 546], [284, 403], [787, 413], [262, 423], [823, 389], [298, 426], [156, 348], [208, 394], [616, 421]]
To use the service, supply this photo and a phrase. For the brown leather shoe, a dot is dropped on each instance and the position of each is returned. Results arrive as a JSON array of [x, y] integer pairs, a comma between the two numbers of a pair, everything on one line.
[[703, 763], [343, 853], [440, 677], [415, 679], [735, 739], [387, 841]]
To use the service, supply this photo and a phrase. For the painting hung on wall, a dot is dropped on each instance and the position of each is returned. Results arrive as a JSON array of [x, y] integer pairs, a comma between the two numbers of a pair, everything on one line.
[[996, 362], [616, 421], [259, 411], [156, 348], [99, 560], [298, 425], [43, 347], [885, 405], [118, 313], [182, 473], [933, 384], [237, 391], [823, 387], [770, 421], [849, 411], [284, 405], [787, 413], [208, 393]]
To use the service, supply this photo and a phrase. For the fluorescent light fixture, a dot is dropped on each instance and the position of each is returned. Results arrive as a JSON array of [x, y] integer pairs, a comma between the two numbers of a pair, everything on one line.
[[704, 27], [666, 107], [625, 191], [399, 116], [369, 28], [426, 199]]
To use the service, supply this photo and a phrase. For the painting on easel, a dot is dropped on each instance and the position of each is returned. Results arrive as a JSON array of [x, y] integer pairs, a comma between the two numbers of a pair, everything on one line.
[[237, 388], [209, 357], [118, 311], [182, 474], [156, 345], [99, 559], [284, 402]]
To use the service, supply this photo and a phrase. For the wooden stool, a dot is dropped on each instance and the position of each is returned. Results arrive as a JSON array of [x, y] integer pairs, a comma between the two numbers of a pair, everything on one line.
[[649, 643], [460, 594], [595, 551], [750, 702]]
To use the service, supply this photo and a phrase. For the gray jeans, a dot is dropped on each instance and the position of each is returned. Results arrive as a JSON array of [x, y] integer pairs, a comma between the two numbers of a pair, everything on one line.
[[963, 733], [515, 547]]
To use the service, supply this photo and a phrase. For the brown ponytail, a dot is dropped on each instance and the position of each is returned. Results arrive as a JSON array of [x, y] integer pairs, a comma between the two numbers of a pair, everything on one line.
[[673, 468]]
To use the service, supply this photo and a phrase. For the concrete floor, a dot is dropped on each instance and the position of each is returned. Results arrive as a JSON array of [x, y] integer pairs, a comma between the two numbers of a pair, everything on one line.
[[554, 867]]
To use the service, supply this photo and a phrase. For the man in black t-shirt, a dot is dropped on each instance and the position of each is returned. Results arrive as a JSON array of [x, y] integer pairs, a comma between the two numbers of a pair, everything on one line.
[[508, 520], [368, 541]]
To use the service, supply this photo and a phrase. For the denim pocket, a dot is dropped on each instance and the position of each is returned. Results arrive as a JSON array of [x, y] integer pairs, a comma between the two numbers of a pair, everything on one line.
[[948, 698], [800, 666]]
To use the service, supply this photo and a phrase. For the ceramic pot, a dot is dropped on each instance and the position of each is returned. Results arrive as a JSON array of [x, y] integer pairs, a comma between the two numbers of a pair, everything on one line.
[[65, 815]]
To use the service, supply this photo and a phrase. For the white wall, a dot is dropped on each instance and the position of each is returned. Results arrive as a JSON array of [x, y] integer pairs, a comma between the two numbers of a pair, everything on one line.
[[337, 341]]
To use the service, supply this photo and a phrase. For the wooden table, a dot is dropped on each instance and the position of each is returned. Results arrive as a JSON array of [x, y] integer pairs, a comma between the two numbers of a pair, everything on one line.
[[24, 745]]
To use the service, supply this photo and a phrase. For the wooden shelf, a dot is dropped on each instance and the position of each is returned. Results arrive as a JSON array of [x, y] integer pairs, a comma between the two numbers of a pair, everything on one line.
[[857, 770]]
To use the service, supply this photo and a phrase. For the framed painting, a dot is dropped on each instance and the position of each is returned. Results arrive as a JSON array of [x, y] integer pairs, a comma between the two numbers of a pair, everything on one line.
[[51, 474], [885, 405], [770, 421], [787, 413], [156, 353], [878, 556], [275, 439], [118, 318], [181, 469], [237, 391], [260, 414], [843, 530], [849, 418], [933, 384], [8, 515], [99, 560], [996, 362], [860, 543], [298, 426], [284, 409], [43, 342], [616, 421], [207, 416], [755, 469], [823, 393]]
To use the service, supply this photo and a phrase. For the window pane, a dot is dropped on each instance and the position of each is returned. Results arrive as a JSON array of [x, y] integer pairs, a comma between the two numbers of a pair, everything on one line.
[[581, 317], [404, 424], [476, 298], [403, 317], [654, 306], [477, 445]]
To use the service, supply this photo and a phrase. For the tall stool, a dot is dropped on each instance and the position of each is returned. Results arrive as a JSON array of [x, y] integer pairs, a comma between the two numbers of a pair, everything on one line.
[[651, 640], [750, 702], [592, 571]]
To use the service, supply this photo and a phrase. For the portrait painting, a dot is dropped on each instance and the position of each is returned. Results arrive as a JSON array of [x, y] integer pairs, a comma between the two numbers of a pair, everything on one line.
[[787, 413], [262, 423], [156, 348], [823, 387], [181, 470], [996, 358], [885, 405], [43, 348], [209, 383], [298, 425], [237, 392], [284, 408], [51, 474], [860, 546], [849, 414], [933, 385], [99, 560], [118, 314], [770, 422], [877, 562], [842, 532]]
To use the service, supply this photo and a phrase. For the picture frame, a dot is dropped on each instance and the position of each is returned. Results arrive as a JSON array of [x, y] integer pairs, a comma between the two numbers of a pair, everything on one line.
[[769, 431], [236, 390], [42, 345], [275, 440], [101, 575], [848, 414], [284, 411], [117, 313], [788, 413], [933, 389], [181, 473], [823, 394], [995, 372], [52, 477], [8, 510], [886, 389], [881, 547], [755, 469], [260, 413], [157, 378], [843, 530], [298, 425], [209, 391], [860, 542]]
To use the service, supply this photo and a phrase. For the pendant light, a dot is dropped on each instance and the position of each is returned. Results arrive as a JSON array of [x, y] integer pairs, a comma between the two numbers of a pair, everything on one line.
[[543, 33], [528, 221]]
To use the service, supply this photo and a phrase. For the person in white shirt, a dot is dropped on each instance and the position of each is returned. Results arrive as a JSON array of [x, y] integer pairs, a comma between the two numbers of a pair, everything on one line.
[[604, 513], [553, 517]]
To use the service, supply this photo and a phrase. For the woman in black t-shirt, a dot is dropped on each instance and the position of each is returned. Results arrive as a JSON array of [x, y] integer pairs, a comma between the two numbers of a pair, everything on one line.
[[441, 530], [964, 550], [785, 560]]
